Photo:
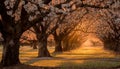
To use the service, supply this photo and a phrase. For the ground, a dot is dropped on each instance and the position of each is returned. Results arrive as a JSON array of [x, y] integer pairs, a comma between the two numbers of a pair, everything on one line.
[[86, 57]]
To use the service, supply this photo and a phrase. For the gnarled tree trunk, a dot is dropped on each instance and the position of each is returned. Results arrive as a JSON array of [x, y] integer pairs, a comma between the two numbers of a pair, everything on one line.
[[58, 46], [58, 40], [10, 54], [113, 45], [42, 48], [34, 46], [66, 44]]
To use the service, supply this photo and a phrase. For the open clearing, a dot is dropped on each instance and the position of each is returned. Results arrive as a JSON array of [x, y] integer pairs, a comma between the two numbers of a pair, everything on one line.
[[84, 57]]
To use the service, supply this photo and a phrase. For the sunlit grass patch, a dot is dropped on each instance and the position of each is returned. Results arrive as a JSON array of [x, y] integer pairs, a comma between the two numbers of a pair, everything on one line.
[[48, 63], [95, 51], [91, 50], [27, 49], [29, 54], [51, 49], [82, 55], [79, 59]]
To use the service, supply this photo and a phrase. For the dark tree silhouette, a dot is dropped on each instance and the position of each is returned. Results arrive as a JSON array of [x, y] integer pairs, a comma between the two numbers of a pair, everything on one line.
[[12, 25]]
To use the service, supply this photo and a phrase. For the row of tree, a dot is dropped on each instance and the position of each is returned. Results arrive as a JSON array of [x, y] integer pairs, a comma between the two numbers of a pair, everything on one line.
[[59, 19]]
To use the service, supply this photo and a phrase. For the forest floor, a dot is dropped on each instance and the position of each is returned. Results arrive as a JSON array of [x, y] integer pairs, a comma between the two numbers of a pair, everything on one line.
[[87, 57]]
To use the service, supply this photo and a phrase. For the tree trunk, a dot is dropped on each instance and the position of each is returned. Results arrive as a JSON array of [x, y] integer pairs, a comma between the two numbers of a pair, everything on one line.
[[42, 48], [112, 45], [66, 45], [10, 55], [58, 46], [34, 46]]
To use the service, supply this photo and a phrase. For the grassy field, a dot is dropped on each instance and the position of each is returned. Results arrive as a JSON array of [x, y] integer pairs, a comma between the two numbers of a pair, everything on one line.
[[84, 57]]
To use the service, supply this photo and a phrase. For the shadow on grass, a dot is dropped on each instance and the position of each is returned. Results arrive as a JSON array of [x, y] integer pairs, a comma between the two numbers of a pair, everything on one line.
[[31, 61], [70, 65], [23, 66], [90, 65]]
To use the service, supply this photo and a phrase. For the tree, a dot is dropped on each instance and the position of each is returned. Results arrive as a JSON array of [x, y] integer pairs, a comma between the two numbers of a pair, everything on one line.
[[67, 25], [80, 33], [58, 37], [42, 31], [29, 38], [45, 28], [90, 7], [1, 39], [111, 36], [15, 19], [74, 40]]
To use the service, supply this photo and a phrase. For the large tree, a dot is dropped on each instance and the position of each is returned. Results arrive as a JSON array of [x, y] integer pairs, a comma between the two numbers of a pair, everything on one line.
[[16, 17], [42, 31]]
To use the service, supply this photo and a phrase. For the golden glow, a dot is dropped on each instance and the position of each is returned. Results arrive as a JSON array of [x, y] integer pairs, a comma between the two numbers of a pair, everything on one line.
[[80, 57], [89, 47]]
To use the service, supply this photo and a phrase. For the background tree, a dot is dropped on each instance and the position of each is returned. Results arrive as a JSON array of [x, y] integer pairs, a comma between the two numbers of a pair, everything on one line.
[[28, 38], [111, 34], [73, 40], [68, 24], [42, 31], [78, 36]]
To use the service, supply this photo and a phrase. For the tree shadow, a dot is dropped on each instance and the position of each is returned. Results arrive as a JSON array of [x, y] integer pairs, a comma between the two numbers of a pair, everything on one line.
[[31, 61], [87, 65], [24, 66], [65, 65]]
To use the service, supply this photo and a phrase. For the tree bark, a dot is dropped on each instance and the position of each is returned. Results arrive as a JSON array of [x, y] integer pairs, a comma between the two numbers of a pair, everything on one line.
[[66, 45], [42, 48], [112, 45], [34, 46], [10, 55], [57, 39], [58, 46]]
